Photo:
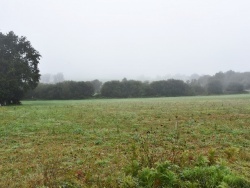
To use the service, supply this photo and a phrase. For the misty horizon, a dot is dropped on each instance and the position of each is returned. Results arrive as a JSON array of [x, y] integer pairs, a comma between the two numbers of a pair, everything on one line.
[[138, 77], [143, 39], [50, 77]]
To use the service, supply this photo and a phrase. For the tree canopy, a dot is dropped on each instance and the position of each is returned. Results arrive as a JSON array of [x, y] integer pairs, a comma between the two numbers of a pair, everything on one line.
[[133, 88], [18, 67], [62, 91], [221, 83]]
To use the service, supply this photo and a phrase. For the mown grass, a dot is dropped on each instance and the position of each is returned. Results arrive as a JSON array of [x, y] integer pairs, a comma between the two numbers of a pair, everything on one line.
[[92, 143]]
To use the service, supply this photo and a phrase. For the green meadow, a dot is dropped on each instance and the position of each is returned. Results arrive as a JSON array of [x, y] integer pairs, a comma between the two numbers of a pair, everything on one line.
[[150, 142]]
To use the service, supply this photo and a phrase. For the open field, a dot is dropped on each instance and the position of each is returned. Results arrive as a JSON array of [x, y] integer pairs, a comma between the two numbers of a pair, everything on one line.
[[92, 143]]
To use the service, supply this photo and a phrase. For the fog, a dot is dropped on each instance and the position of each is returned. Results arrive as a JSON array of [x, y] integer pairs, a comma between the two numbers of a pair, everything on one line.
[[113, 39]]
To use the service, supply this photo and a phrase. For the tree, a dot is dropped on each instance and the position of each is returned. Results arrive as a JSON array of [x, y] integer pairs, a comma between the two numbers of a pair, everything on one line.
[[18, 67], [97, 85], [171, 87], [124, 89], [196, 88], [214, 87], [234, 87], [132, 88], [112, 89], [63, 90]]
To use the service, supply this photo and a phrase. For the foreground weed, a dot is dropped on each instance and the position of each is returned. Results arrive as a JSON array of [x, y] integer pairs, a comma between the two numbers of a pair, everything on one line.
[[169, 175]]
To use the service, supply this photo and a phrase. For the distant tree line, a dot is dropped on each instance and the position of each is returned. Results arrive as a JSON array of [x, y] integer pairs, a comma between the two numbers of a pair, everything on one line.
[[221, 83], [229, 82], [62, 91], [133, 88]]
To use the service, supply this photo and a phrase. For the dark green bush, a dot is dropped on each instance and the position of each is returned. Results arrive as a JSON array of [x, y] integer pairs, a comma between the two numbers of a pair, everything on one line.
[[169, 175]]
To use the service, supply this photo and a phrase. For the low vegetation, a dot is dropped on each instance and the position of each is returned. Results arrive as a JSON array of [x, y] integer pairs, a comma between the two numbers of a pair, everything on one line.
[[156, 142]]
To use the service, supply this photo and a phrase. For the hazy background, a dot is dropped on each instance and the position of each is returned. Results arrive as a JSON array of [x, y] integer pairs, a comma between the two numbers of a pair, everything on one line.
[[137, 39]]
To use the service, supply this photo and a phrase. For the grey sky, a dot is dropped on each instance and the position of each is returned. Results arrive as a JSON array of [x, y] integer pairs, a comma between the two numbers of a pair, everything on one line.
[[112, 39]]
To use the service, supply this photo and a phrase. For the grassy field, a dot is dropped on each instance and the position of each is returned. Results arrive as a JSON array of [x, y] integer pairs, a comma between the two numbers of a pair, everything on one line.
[[106, 143]]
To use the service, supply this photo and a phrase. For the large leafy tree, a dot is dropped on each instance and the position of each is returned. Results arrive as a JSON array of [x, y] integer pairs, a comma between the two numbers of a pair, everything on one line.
[[18, 67]]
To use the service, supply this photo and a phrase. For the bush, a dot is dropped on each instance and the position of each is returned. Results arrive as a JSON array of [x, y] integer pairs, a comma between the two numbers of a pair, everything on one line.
[[169, 175]]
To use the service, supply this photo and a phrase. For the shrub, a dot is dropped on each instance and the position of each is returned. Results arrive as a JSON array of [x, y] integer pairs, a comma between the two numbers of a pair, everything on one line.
[[169, 175]]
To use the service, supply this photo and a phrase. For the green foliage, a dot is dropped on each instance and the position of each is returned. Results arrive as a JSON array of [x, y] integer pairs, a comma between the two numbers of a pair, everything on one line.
[[132, 88], [202, 161], [234, 87], [229, 82], [196, 88], [170, 87], [162, 176], [214, 87], [212, 156], [205, 85], [213, 176], [63, 90], [18, 68], [169, 175], [128, 182], [133, 168], [124, 89]]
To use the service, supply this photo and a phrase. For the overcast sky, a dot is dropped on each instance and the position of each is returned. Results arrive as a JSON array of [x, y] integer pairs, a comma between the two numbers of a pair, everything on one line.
[[113, 39]]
